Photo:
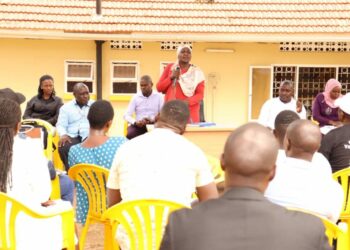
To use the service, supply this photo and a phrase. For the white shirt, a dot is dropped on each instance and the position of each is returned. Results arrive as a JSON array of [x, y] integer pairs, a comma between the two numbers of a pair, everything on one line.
[[318, 161], [161, 165], [31, 185], [297, 184], [31, 182], [144, 107], [273, 107]]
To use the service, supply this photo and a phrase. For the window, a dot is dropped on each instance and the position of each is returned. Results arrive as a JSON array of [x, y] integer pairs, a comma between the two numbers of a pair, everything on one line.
[[124, 77], [162, 67], [309, 80], [78, 71]]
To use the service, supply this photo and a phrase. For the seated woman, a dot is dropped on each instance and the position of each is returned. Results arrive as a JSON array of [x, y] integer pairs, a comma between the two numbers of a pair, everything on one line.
[[98, 149], [25, 177], [324, 110], [45, 105]]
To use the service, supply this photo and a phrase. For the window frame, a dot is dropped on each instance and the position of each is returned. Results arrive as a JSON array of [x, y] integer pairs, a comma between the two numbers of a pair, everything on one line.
[[136, 79], [82, 79]]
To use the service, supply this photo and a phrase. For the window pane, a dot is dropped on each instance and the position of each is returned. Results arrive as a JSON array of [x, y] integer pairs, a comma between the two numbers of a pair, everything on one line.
[[124, 87], [70, 86], [79, 70], [311, 82], [124, 71]]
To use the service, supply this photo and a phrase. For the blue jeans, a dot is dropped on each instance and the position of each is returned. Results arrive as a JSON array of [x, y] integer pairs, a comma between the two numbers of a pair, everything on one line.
[[67, 188]]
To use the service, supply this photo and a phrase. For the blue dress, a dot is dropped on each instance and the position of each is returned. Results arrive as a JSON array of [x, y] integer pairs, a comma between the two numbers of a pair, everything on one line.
[[103, 156]]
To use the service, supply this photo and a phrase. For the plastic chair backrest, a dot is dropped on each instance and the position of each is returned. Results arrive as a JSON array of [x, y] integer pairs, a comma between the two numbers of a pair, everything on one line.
[[50, 134], [7, 230], [336, 234], [343, 177], [143, 220], [57, 162], [218, 174], [93, 178]]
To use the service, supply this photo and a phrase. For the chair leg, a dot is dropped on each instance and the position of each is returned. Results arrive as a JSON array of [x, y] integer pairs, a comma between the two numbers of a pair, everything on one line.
[[83, 234], [108, 244]]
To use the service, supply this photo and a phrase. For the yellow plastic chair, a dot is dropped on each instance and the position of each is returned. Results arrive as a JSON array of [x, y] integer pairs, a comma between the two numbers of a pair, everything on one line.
[[219, 175], [337, 234], [57, 162], [51, 131], [125, 128], [50, 134], [342, 177], [55, 189], [7, 230], [143, 220], [93, 178]]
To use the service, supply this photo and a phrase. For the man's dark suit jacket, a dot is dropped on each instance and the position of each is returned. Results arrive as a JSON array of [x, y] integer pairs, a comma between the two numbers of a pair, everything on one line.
[[243, 219]]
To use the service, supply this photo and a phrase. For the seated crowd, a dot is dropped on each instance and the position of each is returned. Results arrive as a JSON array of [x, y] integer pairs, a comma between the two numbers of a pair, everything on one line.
[[270, 169]]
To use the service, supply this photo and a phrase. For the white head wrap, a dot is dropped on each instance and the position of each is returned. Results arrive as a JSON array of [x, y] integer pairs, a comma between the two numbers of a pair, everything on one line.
[[182, 47]]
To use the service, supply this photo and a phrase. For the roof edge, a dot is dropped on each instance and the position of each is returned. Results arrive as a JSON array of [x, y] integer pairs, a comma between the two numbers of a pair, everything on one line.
[[196, 37]]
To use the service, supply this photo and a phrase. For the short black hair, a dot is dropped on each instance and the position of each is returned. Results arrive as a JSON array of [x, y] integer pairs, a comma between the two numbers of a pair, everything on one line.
[[100, 113], [283, 119], [146, 78], [175, 113]]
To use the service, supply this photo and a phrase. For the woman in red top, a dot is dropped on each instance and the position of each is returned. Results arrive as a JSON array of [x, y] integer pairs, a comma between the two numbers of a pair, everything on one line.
[[183, 81]]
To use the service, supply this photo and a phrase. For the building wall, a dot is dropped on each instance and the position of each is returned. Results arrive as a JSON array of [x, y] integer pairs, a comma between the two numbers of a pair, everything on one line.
[[23, 61]]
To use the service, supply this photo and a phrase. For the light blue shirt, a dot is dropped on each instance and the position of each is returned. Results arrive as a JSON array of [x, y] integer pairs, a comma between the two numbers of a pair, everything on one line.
[[144, 107], [72, 120]]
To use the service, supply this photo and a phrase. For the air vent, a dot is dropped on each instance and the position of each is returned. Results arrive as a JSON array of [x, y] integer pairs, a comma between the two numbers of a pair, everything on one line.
[[315, 47], [172, 45], [126, 44]]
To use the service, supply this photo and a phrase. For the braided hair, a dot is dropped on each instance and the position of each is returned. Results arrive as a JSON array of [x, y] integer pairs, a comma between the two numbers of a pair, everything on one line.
[[10, 116]]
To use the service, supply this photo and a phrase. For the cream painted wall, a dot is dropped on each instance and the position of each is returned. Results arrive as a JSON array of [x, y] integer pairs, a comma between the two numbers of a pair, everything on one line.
[[23, 61]]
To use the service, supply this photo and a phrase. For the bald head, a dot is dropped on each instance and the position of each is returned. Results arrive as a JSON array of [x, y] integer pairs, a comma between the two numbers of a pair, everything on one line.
[[302, 140], [249, 157]]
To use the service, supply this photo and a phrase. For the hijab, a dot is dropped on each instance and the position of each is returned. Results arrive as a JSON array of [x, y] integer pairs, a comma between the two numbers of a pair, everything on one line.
[[330, 85], [189, 80]]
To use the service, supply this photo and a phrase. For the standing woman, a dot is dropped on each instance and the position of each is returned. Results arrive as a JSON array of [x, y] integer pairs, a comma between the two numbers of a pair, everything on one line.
[[324, 110], [45, 105], [183, 81]]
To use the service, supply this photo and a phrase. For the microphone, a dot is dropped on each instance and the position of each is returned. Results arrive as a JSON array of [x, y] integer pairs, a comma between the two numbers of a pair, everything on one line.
[[175, 79]]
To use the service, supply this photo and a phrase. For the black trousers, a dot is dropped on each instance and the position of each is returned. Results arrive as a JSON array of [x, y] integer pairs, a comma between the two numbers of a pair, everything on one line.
[[134, 131], [64, 150]]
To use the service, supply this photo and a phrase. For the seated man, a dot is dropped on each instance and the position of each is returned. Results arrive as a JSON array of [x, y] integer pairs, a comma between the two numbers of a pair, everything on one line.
[[242, 218], [298, 184], [284, 101], [166, 165], [161, 164], [146, 106], [72, 124], [283, 119], [335, 145]]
